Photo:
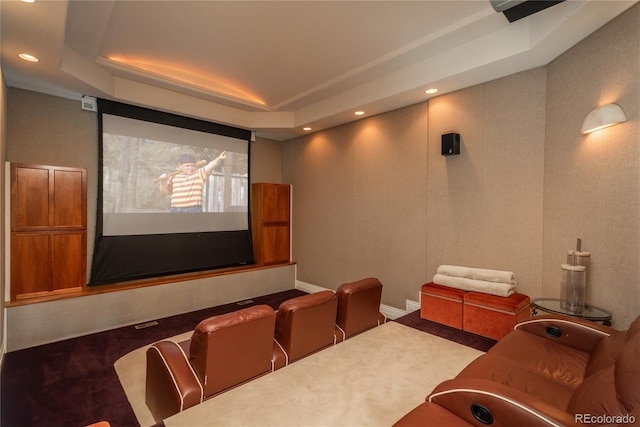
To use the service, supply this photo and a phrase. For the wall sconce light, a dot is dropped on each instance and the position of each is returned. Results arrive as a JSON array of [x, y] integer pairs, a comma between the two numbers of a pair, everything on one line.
[[602, 117]]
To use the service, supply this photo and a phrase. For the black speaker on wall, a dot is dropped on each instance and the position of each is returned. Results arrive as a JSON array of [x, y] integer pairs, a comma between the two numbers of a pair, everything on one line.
[[450, 144]]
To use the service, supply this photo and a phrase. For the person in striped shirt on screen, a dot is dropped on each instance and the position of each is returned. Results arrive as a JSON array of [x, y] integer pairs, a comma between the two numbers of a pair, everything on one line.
[[186, 184]]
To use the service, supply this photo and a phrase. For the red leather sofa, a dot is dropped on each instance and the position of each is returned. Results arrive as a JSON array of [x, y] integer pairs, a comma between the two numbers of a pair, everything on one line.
[[549, 371], [228, 350]]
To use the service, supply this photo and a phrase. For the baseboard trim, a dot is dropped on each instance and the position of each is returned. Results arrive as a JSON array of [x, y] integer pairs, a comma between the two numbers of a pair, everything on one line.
[[412, 306], [388, 311], [391, 312], [309, 287]]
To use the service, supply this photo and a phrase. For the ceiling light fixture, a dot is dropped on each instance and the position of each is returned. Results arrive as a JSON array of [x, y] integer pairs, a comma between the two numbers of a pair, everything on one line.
[[602, 117], [359, 113], [28, 1], [28, 57], [307, 128], [431, 91]]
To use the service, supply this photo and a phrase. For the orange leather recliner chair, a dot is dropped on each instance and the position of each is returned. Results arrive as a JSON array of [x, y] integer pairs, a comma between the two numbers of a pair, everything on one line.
[[224, 351], [304, 325], [358, 307]]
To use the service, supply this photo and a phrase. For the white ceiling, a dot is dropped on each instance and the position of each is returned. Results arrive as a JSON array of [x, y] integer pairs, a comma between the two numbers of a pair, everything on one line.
[[275, 67]]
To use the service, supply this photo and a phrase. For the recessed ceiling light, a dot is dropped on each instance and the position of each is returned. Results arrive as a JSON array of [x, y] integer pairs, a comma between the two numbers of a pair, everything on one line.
[[306, 128], [28, 57], [28, 1], [431, 91], [359, 113]]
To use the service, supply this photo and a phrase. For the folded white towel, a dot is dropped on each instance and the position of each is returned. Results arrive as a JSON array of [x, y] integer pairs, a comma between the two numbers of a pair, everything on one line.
[[498, 276], [493, 288]]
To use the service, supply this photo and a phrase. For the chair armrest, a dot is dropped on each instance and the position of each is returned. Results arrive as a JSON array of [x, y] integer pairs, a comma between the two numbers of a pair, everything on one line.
[[570, 331], [505, 406], [279, 358], [171, 384], [382, 319]]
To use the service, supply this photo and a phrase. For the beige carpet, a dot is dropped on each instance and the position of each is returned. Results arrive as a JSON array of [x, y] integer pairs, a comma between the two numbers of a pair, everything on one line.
[[372, 379]]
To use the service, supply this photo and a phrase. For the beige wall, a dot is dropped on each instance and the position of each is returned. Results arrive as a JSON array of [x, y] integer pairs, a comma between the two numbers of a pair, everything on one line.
[[592, 182], [266, 160], [484, 207], [359, 202], [376, 198]]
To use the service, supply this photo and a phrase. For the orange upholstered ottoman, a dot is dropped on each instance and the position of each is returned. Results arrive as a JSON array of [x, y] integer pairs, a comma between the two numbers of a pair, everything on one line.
[[441, 304], [493, 316]]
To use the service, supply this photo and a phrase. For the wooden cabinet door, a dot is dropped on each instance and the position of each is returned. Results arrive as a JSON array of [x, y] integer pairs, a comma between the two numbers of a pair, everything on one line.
[[68, 198], [276, 203], [68, 257], [48, 230], [271, 223], [30, 198], [275, 244], [30, 278]]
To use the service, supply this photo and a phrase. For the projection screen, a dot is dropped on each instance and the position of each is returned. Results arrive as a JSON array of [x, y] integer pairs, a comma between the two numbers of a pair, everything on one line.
[[173, 195]]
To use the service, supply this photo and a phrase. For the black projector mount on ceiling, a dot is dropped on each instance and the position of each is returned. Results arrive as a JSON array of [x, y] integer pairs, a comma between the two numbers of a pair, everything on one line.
[[518, 9]]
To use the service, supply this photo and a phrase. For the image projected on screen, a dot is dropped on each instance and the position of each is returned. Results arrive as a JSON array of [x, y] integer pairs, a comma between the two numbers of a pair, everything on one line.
[[163, 179], [173, 195]]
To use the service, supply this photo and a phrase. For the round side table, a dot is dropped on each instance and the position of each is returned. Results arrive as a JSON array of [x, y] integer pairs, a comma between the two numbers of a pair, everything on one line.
[[552, 305]]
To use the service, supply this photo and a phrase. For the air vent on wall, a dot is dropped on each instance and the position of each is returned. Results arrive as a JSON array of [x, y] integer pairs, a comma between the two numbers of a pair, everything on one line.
[[518, 9]]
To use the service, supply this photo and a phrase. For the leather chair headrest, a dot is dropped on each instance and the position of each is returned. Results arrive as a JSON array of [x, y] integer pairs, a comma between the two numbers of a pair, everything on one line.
[[227, 320], [358, 286], [306, 301]]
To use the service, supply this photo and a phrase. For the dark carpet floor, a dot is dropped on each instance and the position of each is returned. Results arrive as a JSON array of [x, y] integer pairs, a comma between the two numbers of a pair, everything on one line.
[[73, 383], [452, 334]]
